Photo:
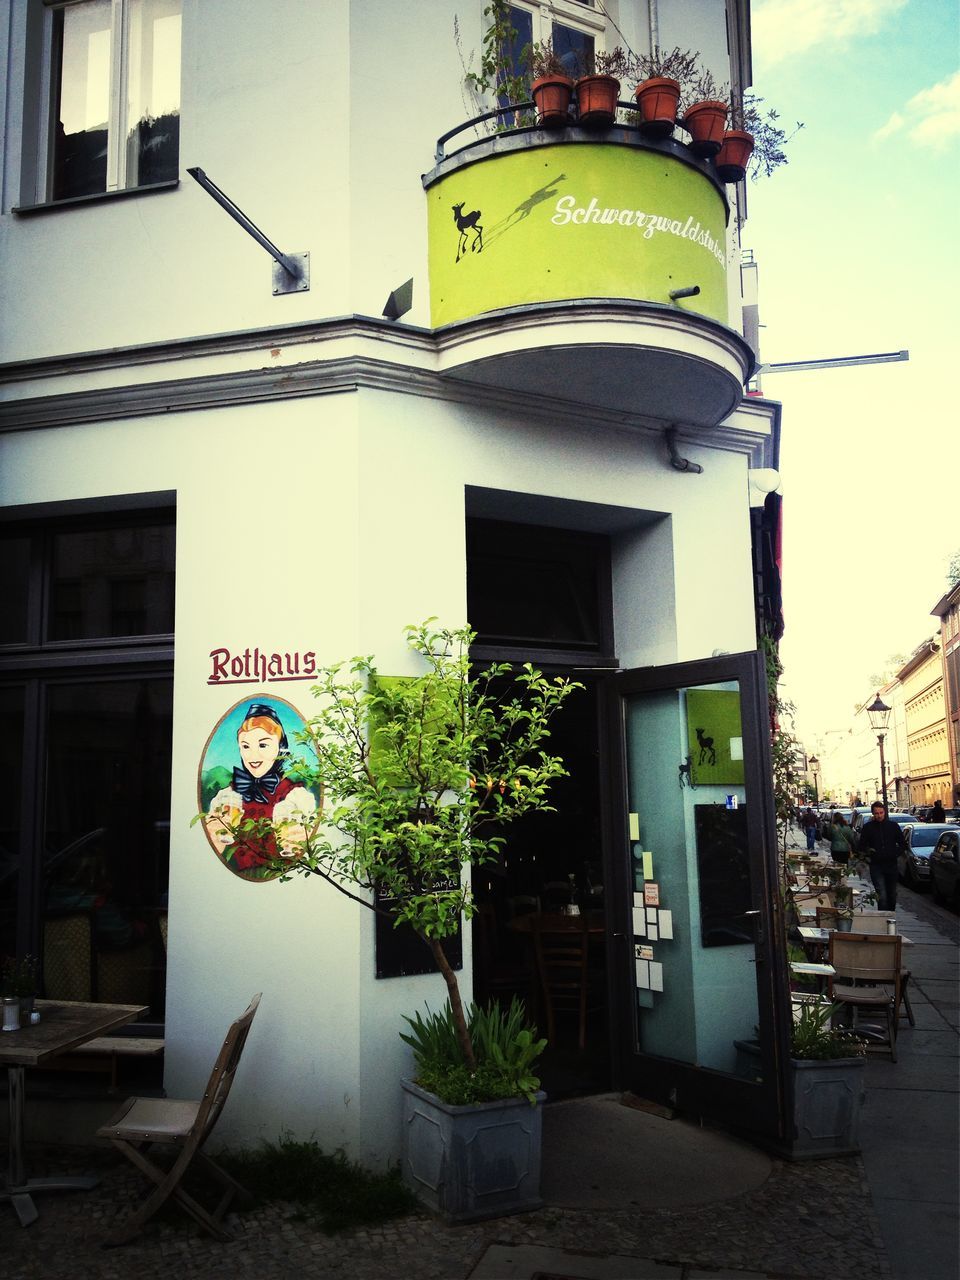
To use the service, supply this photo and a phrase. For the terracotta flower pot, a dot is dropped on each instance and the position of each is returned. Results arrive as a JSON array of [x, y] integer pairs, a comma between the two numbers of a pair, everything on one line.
[[657, 101], [704, 122], [734, 155], [552, 95], [597, 97]]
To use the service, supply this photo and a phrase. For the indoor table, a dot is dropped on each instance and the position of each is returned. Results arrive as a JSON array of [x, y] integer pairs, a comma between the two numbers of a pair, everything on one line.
[[63, 1025]]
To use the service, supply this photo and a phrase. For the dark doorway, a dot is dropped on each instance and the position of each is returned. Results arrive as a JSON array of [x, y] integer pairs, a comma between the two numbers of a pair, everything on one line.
[[553, 862], [542, 594]]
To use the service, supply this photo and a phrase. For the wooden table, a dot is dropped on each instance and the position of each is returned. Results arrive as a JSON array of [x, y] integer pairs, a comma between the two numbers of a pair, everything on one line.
[[63, 1025]]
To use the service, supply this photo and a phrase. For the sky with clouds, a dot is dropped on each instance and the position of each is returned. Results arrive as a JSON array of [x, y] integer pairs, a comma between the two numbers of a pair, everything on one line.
[[857, 245]]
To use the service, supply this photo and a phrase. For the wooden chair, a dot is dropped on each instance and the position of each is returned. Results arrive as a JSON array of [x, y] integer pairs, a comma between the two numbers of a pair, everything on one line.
[[868, 978], [183, 1126], [876, 922], [563, 967]]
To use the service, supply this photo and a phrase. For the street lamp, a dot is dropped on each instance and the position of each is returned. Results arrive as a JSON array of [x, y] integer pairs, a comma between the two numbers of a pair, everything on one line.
[[879, 715], [814, 765]]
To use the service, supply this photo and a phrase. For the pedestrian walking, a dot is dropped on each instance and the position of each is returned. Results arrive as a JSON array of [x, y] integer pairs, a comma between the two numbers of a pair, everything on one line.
[[881, 842], [937, 813], [809, 824], [841, 839]]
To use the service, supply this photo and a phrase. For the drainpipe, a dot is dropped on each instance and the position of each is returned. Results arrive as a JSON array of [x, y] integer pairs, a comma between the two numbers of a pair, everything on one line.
[[653, 19], [678, 463]]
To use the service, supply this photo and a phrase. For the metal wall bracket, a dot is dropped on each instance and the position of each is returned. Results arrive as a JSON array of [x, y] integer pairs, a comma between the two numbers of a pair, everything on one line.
[[291, 271], [284, 282]]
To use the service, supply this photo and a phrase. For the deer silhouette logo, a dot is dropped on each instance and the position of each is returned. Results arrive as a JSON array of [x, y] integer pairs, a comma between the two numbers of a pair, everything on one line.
[[468, 222], [708, 753]]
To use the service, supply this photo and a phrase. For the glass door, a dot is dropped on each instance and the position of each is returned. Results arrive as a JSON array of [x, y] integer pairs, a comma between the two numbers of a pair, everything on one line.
[[702, 996]]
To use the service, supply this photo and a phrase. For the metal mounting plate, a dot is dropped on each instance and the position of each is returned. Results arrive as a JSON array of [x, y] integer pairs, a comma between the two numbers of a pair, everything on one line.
[[284, 282]]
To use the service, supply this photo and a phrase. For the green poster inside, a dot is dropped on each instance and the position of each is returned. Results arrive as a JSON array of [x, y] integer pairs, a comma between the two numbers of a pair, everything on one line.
[[715, 737]]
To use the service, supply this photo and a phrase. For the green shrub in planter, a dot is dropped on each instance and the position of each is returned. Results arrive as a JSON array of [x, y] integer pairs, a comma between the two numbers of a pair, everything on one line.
[[505, 1049], [814, 1039]]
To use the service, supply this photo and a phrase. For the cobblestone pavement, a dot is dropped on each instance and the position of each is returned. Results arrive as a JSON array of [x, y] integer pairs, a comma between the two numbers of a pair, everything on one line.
[[813, 1220]]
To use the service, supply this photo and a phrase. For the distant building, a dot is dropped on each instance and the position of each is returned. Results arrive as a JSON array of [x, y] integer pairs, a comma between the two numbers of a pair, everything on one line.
[[947, 609], [921, 677]]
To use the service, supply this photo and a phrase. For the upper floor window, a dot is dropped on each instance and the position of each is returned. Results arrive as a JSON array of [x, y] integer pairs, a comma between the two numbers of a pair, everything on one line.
[[110, 104], [574, 27]]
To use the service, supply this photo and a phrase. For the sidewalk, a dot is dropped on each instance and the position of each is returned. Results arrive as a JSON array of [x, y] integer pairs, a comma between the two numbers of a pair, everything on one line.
[[645, 1198]]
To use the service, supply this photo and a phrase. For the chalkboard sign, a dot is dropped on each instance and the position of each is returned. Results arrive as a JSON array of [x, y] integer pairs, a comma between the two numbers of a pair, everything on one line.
[[401, 952], [723, 862]]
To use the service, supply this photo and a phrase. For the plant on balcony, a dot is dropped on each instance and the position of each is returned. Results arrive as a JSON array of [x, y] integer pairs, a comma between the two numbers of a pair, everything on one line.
[[500, 72], [661, 78], [552, 88], [704, 110], [755, 141], [598, 90]]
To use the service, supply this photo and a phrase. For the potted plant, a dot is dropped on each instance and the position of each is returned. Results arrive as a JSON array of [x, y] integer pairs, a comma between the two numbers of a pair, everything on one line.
[[552, 88], [704, 115], [598, 92], [827, 1078], [662, 77], [472, 1138], [826, 1082], [420, 775], [755, 134]]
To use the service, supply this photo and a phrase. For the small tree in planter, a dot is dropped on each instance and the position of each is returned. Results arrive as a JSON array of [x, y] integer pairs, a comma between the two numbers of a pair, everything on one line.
[[419, 776]]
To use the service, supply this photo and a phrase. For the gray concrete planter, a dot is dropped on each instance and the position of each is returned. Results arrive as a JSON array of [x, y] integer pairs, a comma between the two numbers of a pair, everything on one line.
[[827, 1098], [472, 1162]]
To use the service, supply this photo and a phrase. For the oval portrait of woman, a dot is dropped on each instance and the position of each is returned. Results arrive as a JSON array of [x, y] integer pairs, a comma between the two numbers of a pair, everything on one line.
[[254, 807]]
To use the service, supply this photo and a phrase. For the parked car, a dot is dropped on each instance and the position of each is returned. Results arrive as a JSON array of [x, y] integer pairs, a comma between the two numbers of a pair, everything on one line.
[[945, 868], [860, 820], [914, 864], [921, 811]]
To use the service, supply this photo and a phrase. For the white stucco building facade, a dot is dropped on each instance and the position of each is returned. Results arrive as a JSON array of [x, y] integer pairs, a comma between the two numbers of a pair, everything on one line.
[[322, 466]]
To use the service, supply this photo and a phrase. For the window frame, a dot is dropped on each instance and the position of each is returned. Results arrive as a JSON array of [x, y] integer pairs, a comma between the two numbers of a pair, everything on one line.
[[581, 17], [38, 186]]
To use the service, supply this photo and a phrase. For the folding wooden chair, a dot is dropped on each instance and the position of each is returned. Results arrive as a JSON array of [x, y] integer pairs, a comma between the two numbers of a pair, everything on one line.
[[868, 978], [876, 922], [185, 1126]]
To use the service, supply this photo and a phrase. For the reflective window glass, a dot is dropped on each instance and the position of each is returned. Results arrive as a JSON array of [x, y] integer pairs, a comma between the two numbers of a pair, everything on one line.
[[82, 36], [106, 840], [11, 769], [115, 70], [14, 589], [112, 582]]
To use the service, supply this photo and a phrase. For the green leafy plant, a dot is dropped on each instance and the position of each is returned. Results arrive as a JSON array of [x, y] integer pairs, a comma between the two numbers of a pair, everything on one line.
[[420, 776], [505, 1051], [329, 1189], [814, 1038], [499, 71]]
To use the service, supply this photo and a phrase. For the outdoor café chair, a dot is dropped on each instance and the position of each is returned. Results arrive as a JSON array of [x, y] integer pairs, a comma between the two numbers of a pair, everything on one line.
[[183, 1127], [868, 978], [876, 922]]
